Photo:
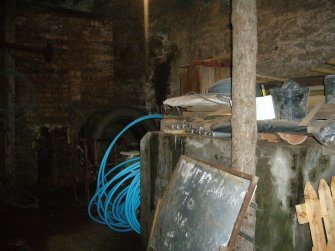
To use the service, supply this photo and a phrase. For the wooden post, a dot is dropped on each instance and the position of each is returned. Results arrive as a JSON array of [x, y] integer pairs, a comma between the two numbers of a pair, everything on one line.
[[9, 69], [244, 125]]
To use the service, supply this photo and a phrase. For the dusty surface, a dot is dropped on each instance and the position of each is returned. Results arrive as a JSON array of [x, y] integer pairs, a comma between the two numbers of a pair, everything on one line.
[[59, 224]]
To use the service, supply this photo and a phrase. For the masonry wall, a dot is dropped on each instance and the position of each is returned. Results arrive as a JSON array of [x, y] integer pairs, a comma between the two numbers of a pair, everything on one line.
[[292, 35], [60, 91], [81, 63], [74, 80]]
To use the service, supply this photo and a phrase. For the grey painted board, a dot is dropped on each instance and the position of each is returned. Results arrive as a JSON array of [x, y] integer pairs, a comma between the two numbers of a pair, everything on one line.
[[199, 209]]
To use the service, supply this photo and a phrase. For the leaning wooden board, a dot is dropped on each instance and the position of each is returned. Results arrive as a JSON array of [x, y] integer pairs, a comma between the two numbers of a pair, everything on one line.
[[202, 208]]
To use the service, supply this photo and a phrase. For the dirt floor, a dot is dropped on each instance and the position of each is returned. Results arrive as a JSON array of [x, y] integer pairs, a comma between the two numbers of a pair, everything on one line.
[[59, 224]]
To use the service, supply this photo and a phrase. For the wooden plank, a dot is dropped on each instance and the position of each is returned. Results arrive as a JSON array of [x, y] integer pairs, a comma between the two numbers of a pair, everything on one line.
[[332, 187], [313, 129], [189, 81], [158, 206], [331, 61], [327, 111], [328, 211], [310, 80], [199, 113], [205, 114], [211, 108], [269, 137], [314, 216], [315, 99], [170, 131], [221, 73], [316, 88], [273, 78], [206, 78], [220, 113], [184, 83], [301, 213], [322, 70], [311, 114]]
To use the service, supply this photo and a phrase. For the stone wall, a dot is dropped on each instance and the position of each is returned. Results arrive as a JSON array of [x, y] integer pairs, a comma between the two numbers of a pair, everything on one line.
[[292, 35]]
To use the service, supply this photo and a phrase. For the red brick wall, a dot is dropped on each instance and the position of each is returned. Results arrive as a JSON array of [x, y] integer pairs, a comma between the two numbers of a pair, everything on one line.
[[77, 82], [82, 61]]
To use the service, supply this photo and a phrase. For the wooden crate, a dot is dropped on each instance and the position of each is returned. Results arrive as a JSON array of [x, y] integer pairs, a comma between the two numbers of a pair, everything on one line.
[[199, 78]]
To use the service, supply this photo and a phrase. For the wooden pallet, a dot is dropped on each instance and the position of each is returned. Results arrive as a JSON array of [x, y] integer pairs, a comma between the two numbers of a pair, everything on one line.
[[320, 214]]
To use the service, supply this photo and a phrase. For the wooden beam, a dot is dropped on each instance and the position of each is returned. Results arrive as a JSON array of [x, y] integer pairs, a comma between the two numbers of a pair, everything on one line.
[[9, 69], [243, 122]]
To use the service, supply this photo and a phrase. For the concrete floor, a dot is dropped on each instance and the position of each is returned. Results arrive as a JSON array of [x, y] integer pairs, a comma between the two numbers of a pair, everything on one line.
[[59, 224]]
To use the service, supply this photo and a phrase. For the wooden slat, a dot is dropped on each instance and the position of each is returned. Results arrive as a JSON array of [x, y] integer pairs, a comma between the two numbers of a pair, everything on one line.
[[331, 61], [267, 77], [323, 70], [206, 78], [332, 187], [269, 137], [328, 211], [316, 88], [173, 131], [319, 213], [327, 111], [206, 114], [221, 73], [184, 82], [301, 213], [189, 81], [314, 215], [154, 220], [315, 99], [311, 114]]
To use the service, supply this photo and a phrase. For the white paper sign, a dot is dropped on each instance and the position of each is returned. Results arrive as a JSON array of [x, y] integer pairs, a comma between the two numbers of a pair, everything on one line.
[[264, 108]]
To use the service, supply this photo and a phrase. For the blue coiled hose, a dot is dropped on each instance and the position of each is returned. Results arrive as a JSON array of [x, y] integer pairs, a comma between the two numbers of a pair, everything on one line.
[[117, 196]]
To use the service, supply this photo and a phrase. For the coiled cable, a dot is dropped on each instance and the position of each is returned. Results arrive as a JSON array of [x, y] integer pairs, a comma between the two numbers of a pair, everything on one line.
[[117, 196]]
